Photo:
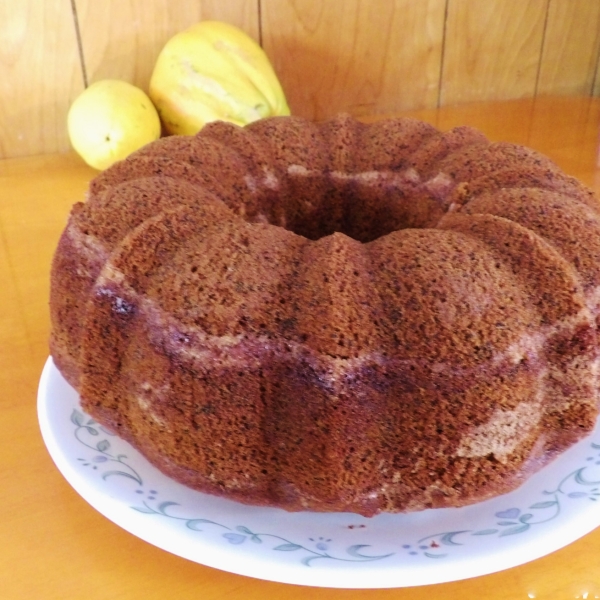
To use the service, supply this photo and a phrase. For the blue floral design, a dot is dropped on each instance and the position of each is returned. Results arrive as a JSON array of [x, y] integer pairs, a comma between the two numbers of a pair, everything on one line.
[[578, 485], [85, 430], [514, 520], [240, 534], [110, 465]]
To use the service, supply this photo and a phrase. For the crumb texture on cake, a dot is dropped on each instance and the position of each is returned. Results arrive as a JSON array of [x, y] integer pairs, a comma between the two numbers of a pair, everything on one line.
[[334, 316]]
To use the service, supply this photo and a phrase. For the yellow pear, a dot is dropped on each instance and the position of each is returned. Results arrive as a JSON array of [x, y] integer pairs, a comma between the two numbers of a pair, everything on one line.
[[109, 120], [214, 71]]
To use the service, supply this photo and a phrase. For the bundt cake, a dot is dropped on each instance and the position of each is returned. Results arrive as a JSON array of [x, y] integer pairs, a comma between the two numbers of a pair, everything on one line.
[[334, 316]]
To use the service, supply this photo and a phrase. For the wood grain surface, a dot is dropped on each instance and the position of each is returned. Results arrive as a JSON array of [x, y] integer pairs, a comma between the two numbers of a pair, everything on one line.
[[40, 75], [359, 56], [571, 45], [121, 39], [54, 546], [492, 50]]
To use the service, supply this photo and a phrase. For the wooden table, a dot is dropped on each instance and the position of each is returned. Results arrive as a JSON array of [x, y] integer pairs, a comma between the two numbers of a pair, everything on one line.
[[54, 545]]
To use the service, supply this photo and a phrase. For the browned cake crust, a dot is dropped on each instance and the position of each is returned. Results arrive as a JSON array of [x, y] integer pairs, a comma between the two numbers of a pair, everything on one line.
[[335, 316]]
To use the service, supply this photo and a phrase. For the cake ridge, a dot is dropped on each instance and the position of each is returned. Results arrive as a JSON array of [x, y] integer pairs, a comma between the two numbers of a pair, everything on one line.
[[529, 346]]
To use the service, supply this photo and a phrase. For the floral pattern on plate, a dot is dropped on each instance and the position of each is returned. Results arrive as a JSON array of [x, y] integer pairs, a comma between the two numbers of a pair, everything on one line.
[[552, 509]]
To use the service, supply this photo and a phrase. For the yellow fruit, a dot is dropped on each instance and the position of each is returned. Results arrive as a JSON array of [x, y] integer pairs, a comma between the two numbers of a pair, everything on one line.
[[109, 120], [214, 71]]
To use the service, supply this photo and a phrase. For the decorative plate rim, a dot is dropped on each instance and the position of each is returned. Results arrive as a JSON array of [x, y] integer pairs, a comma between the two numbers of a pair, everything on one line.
[[552, 509]]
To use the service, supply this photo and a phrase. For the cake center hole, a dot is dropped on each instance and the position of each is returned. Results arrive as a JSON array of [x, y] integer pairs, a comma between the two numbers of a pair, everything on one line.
[[363, 208]]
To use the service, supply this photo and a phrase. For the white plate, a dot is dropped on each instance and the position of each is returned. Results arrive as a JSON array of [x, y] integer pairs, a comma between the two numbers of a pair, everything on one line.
[[552, 509]]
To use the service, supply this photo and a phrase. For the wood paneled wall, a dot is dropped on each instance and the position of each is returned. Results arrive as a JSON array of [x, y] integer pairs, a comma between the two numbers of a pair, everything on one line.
[[359, 56]]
